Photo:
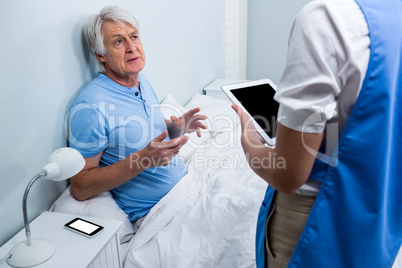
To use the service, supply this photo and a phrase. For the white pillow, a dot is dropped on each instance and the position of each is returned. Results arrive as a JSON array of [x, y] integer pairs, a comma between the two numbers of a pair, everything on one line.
[[170, 106], [221, 116], [102, 205]]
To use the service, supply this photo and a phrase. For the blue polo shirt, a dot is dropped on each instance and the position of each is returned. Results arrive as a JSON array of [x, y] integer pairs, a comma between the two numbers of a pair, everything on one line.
[[118, 121]]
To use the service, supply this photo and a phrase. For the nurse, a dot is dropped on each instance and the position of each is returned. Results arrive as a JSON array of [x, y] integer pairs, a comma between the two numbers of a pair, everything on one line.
[[338, 202]]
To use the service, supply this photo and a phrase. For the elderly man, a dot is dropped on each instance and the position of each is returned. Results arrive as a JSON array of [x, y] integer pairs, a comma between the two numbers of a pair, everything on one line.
[[117, 125]]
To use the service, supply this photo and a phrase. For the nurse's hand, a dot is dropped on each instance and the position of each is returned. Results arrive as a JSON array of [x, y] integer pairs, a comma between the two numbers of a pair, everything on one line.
[[250, 135]]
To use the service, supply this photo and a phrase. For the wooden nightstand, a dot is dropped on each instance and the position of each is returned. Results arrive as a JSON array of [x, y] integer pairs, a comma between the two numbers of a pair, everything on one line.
[[72, 250]]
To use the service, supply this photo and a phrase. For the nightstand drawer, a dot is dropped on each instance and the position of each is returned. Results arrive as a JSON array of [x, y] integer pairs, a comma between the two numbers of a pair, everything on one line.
[[109, 257]]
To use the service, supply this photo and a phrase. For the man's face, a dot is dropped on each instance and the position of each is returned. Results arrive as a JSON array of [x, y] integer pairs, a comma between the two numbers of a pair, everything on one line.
[[124, 53]]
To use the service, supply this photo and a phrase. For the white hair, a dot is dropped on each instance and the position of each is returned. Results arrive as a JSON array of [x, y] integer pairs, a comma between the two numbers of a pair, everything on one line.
[[93, 28]]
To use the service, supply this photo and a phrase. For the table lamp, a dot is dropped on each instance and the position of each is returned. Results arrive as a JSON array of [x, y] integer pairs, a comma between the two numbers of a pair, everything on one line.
[[63, 164]]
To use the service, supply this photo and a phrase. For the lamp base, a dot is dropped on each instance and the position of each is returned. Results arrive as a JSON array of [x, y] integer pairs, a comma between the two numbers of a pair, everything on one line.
[[23, 255]]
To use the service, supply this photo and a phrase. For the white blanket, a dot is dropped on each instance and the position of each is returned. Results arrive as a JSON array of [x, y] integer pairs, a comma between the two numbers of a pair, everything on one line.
[[208, 219]]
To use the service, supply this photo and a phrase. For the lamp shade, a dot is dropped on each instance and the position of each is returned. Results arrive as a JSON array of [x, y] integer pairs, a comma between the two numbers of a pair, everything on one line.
[[63, 164]]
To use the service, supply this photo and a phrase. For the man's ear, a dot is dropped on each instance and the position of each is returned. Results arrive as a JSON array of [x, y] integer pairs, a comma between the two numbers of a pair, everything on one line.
[[100, 58]]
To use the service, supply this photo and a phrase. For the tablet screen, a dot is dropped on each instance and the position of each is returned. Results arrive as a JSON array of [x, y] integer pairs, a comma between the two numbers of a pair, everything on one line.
[[260, 104]]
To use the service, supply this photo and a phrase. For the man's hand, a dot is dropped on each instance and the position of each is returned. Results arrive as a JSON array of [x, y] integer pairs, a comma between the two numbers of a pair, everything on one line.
[[189, 122], [159, 152]]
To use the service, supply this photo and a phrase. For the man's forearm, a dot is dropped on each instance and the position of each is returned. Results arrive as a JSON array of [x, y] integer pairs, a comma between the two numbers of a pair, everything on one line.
[[96, 180]]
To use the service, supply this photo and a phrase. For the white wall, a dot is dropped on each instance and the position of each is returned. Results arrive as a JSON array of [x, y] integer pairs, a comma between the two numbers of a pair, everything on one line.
[[45, 63], [268, 29]]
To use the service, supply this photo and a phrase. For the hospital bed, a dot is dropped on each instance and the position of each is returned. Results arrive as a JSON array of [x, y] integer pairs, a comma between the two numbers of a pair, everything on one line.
[[209, 218]]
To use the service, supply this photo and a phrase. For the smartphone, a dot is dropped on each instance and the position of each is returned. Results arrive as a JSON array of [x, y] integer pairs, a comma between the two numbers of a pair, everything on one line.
[[83, 227]]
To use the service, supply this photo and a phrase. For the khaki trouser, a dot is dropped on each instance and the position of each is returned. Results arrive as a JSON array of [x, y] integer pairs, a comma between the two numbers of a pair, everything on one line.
[[285, 224]]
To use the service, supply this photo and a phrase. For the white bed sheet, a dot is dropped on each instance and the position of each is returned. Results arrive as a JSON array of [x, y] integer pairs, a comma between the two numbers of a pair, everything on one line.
[[207, 220]]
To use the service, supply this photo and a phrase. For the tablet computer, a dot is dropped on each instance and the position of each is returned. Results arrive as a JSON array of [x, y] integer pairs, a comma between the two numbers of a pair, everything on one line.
[[257, 99]]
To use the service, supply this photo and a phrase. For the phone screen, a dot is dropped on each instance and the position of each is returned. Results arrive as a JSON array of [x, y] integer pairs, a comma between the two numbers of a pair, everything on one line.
[[260, 104], [84, 226]]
